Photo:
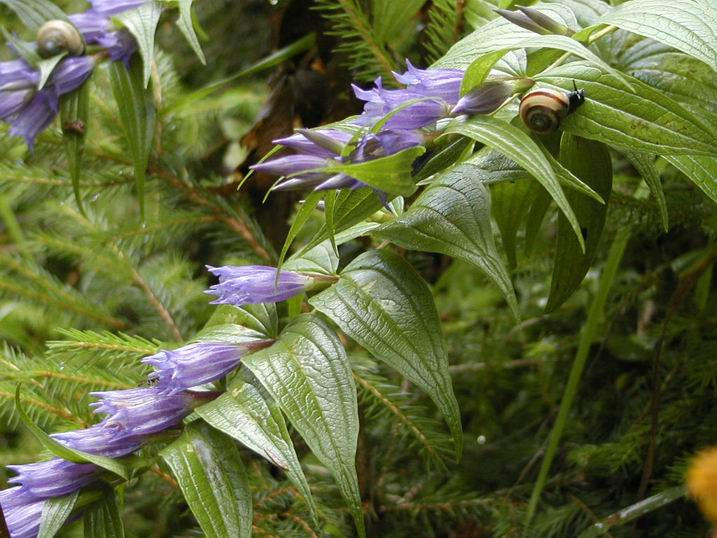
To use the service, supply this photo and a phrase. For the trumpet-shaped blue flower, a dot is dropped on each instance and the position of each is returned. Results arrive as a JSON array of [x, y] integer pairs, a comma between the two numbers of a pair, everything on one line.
[[53, 478], [22, 512], [29, 111], [198, 363], [143, 411], [100, 439], [253, 284]]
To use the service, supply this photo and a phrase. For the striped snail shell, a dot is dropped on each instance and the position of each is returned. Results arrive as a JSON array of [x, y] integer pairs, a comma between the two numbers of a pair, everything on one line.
[[56, 36], [541, 110]]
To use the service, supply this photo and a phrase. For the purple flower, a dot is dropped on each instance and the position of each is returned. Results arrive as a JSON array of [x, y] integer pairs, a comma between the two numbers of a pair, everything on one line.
[[443, 83], [22, 512], [99, 439], [252, 284], [28, 111], [53, 478], [319, 142], [291, 164], [97, 29], [484, 99], [535, 21], [196, 364], [425, 111], [136, 412], [113, 7]]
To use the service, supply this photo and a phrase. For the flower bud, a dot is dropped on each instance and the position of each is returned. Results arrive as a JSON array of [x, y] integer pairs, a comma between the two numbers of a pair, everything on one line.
[[535, 21]]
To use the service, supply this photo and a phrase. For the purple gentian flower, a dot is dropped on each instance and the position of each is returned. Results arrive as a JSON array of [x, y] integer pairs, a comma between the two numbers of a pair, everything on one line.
[[97, 29], [253, 284], [379, 102], [443, 83], [113, 7], [17, 86], [300, 142], [99, 439], [484, 99], [22, 512], [196, 364], [29, 112], [291, 164], [136, 412], [53, 478]]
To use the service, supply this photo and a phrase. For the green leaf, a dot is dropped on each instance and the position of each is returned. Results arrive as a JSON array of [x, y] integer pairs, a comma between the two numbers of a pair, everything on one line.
[[102, 519], [35, 13], [321, 259], [244, 414], [74, 116], [383, 304], [443, 153], [302, 217], [136, 112], [452, 216], [644, 120], [261, 317], [142, 23], [211, 475], [229, 332], [501, 35], [686, 25], [61, 451], [518, 146], [645, 165], [308, 375], [590, 161], [391, 174], [681, 77], [701, 170], [479, 69], [511, 201], [185, 25], [46, 67], [390, 18], [352, 206], [55, 512]]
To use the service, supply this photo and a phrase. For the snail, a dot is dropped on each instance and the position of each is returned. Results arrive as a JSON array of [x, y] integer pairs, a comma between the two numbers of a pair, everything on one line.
[[56, 36], [542, 110]]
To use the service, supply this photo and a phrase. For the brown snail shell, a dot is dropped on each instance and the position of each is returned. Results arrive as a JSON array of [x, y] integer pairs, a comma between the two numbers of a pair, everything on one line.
[[541, 110], [56, 36]]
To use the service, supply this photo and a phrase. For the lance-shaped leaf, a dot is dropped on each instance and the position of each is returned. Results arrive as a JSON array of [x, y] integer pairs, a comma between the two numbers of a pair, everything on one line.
[[211, 475], [321, 259], [102, 519], [518, 146], [642, 120], [255, 421], [645, 164], [382, 302], [351, 207], [511, 201], [452, 216], [590, 161], [186, 26], [308, 375], [142, 24], [55, 512], [136, 112], [687, 25], [74, 113], [261, 318], [701, 170], [391, 174]]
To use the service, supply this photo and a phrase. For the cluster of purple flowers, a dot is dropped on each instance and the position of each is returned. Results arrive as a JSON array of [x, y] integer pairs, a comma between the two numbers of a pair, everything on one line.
[[132, 416], [407, 115], [30, 110]]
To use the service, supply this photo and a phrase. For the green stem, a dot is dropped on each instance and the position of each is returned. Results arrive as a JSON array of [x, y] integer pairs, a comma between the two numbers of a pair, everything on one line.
[[587, 336]]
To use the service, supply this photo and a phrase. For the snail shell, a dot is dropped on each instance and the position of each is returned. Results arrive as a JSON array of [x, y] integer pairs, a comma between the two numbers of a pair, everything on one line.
[[542, 110], [56, 36]]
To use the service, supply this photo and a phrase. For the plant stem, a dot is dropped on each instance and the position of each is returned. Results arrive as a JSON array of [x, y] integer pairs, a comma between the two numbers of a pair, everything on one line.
[[587, 335]]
